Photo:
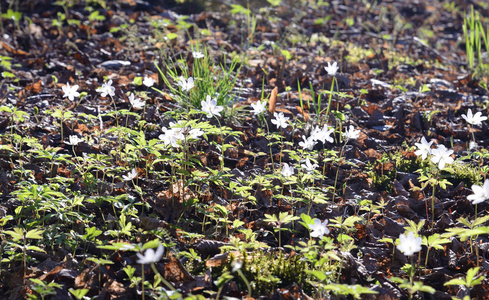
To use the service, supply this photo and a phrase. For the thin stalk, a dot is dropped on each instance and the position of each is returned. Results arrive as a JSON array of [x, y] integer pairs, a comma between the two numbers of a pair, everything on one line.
[[142, 280], [329, 100], [221, 159], [165, 282], [433, 208], [248, 286]]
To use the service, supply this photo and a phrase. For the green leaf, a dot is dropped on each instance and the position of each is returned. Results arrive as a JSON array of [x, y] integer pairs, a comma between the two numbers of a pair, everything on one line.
[[16, 234], [456, 281], [238, 9], [138, 80], [318, 274], [35, 248], [6, 74], [386, 240], [286, 54], [171, 35], [80, 293], [34, 234]]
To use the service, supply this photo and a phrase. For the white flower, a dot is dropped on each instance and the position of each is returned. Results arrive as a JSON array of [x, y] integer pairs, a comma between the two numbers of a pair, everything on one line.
[[308, 143], [236, 264], [331, 69], [319, 229], [210, 107], [409, 244], [323, 134], [172, 136], [472, 145], [474, 119], [351, 133], [184, 130], [136, 102], [258, 107], [106, 89], [424, 148], [186, 84], [197, 54], [150, 256], [70, 91], [481, 193], [441, 156], [280, 120], [130, 176], [309, 166], [74, 140], [177, 132], [148, 81], [195, 133], [287, 170]]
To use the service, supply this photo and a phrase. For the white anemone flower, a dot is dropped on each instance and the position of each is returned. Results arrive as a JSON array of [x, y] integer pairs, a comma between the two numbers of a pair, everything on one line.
[[441, 156], [258, 107], [148, 81], [171, 137], [409, 244], [287, 170], [351, 133], [280, 120], [136, 103], [323, 134], [424, 148], [106, 89], [319, 229], [474, 119], [307, 143], [74, 140], [130, 176], [310, 167], [151, 256], [331, 68], [210, 107], [481, 193], [70, 91], [186, 84]]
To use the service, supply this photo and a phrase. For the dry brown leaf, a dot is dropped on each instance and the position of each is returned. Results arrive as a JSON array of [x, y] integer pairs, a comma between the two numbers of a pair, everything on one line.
[[306, 115], [35, 87], [14, 51], [272, 103]]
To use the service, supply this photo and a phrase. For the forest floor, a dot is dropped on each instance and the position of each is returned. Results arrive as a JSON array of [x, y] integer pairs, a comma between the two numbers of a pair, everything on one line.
[[248, 199]]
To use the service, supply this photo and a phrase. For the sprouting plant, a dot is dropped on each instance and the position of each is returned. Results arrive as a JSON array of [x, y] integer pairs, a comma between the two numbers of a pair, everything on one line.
[[151, 257], [250, 25], [16, 115], [16, 16], [475, 35], [331, 69], [410, 244], [412, 286], [435, 241], [43, 288], [470, 281], [475, 229], [22, 235], [345, 226], [191, 84], [79, 294], [475, 120], [63, 116], [282, 219], [441, 156]]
